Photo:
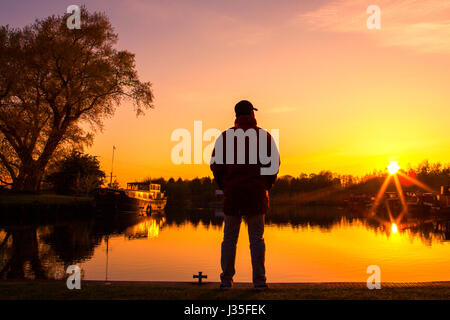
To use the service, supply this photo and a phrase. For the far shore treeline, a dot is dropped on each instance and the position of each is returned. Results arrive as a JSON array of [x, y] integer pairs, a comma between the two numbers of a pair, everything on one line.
[[322, 188], [79, 174]]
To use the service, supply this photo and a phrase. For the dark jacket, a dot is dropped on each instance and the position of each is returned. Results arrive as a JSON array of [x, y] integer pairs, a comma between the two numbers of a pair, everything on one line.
[[246, 190]]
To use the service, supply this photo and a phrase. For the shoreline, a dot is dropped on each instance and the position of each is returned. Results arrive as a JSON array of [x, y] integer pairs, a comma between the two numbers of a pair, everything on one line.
[[166, 290]]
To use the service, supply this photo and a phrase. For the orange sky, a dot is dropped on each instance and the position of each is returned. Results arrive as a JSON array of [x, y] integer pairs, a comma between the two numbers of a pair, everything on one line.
[[344, 98]]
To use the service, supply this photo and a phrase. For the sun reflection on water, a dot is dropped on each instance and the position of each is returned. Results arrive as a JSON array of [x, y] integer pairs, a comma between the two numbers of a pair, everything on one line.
[[394, 228]]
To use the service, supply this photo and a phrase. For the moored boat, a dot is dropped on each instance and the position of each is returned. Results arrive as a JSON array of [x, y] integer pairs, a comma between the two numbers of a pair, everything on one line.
[[140, 197], [436, 203]]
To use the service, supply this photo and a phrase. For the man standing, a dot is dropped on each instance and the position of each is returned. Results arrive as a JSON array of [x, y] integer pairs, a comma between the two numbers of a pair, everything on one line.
[[245, 164]]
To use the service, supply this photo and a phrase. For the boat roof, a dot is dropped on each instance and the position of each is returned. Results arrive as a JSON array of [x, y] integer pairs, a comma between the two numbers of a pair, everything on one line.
[[143, 184]]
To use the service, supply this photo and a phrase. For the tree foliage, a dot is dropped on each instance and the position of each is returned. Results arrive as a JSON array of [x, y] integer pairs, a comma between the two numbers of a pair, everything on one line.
[[56, 87], [77, 173]]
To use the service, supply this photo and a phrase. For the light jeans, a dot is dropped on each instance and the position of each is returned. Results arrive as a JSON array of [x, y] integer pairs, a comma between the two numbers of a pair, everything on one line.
[[257, 248]]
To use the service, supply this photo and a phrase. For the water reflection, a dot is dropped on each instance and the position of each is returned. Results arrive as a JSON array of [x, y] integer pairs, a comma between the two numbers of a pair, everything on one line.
[[147, 229], [394, 228], [44, 251], [22, 255]]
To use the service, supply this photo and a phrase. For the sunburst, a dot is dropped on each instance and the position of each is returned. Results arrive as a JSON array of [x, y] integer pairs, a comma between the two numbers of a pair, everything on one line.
[[394, 173]]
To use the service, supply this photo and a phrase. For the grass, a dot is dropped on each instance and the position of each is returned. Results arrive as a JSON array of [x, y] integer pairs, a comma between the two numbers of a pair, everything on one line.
[[38, 208], [94, 290], [41, 199]]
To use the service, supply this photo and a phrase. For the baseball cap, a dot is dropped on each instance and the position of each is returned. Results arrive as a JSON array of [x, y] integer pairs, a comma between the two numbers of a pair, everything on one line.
[[244, 107]]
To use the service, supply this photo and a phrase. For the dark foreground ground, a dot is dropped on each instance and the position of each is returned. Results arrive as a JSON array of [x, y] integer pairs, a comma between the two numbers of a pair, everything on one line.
[[97, 290]]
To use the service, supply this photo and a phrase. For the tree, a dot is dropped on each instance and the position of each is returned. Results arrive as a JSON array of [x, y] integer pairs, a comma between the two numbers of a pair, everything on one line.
[[56, 87], [78, 173]]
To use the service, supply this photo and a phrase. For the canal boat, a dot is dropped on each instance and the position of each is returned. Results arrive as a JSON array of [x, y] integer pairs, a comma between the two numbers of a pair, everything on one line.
[[443, 200], [437, 203], [139, 197], [444, 197]]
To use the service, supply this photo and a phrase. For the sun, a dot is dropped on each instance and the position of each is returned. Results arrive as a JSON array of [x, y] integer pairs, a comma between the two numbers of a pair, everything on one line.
[[393, 167]]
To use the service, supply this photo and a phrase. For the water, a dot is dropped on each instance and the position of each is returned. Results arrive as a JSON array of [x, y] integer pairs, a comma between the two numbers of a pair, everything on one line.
[[302, 245]]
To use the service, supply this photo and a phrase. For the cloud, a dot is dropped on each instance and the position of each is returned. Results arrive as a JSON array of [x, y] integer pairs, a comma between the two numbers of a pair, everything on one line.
[[416, 24]]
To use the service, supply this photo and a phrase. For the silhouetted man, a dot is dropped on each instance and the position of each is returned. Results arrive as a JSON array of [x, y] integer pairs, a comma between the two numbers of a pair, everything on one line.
[[245, 164]]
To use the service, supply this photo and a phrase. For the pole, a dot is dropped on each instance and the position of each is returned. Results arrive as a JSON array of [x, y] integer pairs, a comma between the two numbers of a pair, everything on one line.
[[112, 164], [107, 251]]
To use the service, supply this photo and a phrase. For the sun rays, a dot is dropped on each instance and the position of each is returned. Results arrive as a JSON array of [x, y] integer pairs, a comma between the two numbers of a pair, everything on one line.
[[394, 173]]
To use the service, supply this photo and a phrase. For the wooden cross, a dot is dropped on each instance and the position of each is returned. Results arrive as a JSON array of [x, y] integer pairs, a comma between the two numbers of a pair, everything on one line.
[[200, 276]]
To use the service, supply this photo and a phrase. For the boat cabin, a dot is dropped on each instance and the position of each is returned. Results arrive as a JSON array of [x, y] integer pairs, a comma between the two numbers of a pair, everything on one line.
[[444, 198], [145, 190], [138, 186]]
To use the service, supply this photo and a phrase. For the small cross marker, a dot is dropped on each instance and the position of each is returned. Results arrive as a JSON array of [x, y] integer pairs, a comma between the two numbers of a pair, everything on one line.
[[200, 276]]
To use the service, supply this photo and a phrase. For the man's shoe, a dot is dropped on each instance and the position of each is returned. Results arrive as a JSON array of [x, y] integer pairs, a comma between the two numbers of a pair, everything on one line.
[[225, 286], [261, 287]]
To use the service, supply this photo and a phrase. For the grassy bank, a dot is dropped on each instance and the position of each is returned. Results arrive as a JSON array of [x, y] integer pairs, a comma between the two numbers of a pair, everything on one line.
[[37, 208], [12, 199], [181, 291]]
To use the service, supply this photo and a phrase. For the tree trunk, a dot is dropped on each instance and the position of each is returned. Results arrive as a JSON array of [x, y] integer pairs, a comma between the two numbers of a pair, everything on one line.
[[32, 171], [29, 179]]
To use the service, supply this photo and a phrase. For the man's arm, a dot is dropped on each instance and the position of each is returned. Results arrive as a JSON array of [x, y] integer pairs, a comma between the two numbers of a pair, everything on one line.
[[217, 162], [271, 145]]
